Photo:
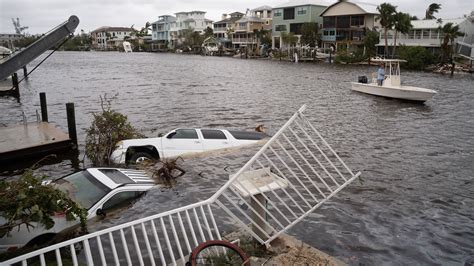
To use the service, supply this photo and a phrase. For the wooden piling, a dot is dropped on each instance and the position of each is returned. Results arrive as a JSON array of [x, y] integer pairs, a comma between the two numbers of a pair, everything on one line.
[[25, 72], [16, 87], [71, 123], [44, 107]]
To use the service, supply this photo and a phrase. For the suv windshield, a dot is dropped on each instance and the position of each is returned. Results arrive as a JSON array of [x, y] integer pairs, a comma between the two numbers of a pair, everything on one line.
[[83, 188]]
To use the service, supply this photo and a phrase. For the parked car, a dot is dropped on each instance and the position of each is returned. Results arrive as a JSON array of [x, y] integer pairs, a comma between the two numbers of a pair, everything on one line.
[[99, 190], [181, 141]]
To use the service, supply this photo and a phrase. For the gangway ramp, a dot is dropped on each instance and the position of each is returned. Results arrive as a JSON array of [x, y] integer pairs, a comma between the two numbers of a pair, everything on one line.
[[292, 175]]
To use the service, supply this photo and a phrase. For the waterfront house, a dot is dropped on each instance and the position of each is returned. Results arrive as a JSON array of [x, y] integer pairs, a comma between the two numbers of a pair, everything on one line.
[[110, 38], [7, 39], [291, 16], [244, 35], [160, 32], [224, 28], [426, 33], [345, 24], [194, 20], [264, 13]]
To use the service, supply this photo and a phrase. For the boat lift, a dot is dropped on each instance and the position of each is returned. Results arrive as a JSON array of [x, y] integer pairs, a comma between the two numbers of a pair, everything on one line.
[[47, 41], [292, 175]]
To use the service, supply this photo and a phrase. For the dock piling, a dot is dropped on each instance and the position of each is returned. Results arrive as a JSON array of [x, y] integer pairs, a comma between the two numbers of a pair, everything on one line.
[[44, 107], [25, 72], [16, 87], [71, 123]]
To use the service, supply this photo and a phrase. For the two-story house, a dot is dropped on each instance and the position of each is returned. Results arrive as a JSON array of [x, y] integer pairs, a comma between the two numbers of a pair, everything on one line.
[[194, 20], [160, 30], [110, 38], [291, 16], [264, 13], [224, 28], [426, 33], [244, 35], [345, 24]]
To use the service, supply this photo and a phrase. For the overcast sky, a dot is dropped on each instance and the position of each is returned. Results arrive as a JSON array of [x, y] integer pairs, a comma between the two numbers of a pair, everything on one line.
[[43, 15]]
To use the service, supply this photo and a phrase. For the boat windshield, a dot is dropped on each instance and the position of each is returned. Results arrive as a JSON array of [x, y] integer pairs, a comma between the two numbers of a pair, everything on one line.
[[83, 188]]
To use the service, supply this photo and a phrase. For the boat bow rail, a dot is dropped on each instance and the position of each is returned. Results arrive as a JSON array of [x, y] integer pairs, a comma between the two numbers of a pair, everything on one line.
[[293, 174]]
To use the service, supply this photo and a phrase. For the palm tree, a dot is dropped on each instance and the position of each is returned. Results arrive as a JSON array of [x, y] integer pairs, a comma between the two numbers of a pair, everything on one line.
[[401, 24], [433, 8], [386, 17], [450, 33]]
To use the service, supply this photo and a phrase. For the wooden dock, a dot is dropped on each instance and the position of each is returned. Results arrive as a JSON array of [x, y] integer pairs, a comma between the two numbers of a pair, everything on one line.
[[32, 140], [27, 140]]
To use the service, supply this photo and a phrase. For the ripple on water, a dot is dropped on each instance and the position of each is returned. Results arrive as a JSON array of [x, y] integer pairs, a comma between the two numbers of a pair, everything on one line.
[[415, 204]]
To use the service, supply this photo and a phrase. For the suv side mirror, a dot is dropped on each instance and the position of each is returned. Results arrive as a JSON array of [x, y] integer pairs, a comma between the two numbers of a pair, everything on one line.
[[100, 212], [161, 135]]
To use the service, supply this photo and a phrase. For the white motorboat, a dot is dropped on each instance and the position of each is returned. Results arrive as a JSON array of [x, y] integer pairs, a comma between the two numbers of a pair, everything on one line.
[[127, 47], [391, 86]]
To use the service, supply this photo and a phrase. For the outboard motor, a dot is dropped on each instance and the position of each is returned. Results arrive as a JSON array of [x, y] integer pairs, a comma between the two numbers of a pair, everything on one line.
[[363, 79]]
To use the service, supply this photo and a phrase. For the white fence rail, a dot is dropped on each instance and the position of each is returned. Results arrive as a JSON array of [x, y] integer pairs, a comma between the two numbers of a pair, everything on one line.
[[289, 177]]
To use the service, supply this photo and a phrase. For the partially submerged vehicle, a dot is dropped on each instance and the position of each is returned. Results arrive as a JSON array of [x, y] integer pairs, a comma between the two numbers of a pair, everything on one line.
[[391, 86], [181, 141], [99, 190]]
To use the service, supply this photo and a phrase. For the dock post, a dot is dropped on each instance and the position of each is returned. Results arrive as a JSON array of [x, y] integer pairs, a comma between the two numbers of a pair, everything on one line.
[[71, 123], [44, 107], [16, 88], [25, 72]]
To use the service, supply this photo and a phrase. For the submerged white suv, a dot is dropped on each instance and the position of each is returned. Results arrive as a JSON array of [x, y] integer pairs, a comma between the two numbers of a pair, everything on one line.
[[99, 190], [181, 141]]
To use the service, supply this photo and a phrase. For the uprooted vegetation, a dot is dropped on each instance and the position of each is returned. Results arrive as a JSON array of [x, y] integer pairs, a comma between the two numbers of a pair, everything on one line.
[[164, 171], [108, 127]]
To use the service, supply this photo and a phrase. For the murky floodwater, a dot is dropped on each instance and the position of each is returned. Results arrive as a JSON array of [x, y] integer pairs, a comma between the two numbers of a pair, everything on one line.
[[415, 204]]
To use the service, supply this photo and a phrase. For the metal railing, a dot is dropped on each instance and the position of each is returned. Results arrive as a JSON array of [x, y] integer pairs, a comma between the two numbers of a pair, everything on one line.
[[293, 174]]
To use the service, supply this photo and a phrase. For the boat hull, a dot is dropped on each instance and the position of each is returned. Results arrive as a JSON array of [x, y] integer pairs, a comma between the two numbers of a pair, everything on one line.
[[401, 92]]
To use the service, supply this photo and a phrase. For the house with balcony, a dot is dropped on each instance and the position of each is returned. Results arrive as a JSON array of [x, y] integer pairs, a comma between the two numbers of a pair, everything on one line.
[[110, 38], [345, 24], [291, 16], [426, 33], [194, 20], [160, 30], [225, 26], [264, 13], [244, 35]]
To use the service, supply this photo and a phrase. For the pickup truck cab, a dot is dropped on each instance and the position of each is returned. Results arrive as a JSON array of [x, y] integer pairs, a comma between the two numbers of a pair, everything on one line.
[[181, 141]]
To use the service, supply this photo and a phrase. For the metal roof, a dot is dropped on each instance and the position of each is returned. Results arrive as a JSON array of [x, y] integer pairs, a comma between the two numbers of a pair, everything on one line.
[[262, 8], [366, 7], [304, 3], [433, 23]]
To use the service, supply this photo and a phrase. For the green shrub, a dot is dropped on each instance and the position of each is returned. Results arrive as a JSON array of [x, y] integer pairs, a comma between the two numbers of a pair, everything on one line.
[[26, 200], [108, 128], [417, 57]]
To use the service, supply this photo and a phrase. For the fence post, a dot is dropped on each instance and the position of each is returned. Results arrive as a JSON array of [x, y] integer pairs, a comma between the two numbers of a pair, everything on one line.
[[25, 72]]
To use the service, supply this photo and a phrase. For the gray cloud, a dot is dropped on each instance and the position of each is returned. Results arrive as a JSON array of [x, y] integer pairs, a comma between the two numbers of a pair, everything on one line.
[[42, 15]]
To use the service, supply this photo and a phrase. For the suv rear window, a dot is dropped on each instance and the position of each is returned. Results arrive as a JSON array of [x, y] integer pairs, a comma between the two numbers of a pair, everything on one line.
[[247, 135], [212, 134]]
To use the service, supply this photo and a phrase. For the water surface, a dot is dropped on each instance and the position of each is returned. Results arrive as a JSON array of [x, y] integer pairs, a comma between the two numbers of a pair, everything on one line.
[[415, 203]]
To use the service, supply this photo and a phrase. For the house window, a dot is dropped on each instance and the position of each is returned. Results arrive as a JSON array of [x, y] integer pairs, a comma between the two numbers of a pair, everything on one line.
[[280, 28], [329, 22], [296, 28], [357, 21], [277, 13], [343, 22], [301, 10], [289, 13]]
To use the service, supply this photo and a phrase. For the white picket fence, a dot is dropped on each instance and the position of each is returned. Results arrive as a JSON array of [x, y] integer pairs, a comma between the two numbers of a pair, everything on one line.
[[288, 178]]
